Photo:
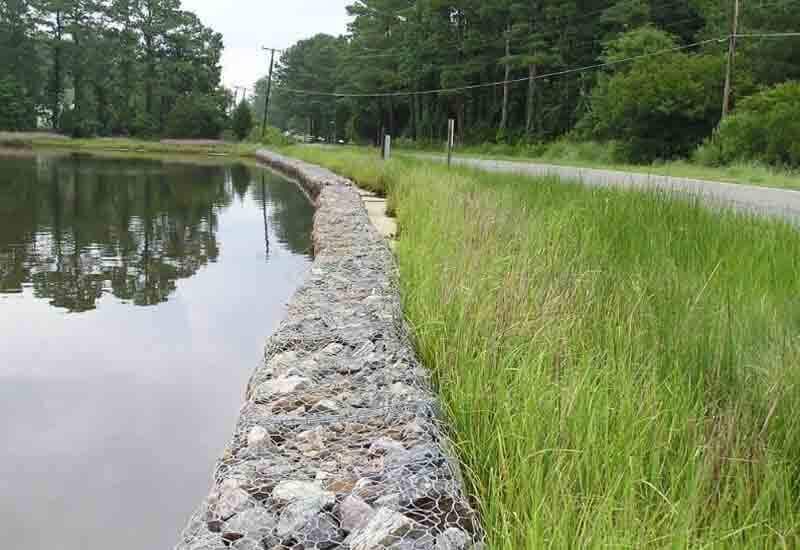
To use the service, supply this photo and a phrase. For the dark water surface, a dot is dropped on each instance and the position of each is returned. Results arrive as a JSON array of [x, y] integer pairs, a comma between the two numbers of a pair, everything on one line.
[[135, 296]]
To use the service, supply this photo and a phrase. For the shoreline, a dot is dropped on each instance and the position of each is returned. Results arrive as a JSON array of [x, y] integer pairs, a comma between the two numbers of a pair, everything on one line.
[[339, 442]]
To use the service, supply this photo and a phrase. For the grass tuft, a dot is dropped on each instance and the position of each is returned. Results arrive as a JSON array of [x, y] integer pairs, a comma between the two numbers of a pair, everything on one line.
[[619, 367]]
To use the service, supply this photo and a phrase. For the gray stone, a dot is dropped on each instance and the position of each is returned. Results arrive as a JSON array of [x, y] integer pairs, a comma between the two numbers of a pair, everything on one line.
[[305, 522], [386, 528], [354, 513], [258, 437], [290, 491], [311, 440], [390, 500], [453, 539], [280, 386], [385, 446], [204, 543], [247, 544], [256, 523], [232, 499], [367, 489], [333, 349], [328, 406]]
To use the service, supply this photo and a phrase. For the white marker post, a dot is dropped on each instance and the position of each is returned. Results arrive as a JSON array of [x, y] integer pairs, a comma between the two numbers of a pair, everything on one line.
[[451, 140], [387, 147]]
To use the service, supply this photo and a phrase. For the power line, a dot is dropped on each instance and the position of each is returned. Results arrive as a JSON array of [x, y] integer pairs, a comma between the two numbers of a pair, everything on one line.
[[502, 82], [768, 35]]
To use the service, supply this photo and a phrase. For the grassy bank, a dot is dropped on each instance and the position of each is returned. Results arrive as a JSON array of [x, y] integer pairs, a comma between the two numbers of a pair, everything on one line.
[[123, 145], [597, 155], [620, 369]]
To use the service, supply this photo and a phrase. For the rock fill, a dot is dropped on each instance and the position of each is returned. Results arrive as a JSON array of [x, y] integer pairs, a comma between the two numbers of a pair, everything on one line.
[[339, 443]]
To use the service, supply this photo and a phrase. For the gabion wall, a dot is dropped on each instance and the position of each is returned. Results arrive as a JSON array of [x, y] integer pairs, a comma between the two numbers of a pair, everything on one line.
[[339, 443]]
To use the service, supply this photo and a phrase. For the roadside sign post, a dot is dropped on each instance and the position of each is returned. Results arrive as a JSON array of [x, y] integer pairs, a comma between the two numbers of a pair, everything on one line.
[[387, 147], [451, 140]]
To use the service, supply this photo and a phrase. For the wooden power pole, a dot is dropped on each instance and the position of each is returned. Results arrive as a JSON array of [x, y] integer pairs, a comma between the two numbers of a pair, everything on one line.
[[269, 89], [726, 98]]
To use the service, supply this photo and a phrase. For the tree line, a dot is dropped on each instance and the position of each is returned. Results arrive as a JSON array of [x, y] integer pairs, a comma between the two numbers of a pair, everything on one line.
[[662, 103], [109, 67]]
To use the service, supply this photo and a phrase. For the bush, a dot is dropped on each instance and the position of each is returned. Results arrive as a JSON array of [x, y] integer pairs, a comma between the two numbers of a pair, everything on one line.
[[272, 137], [76, 124], [16, 110], [765, 127], [242, 123], [196, 116], [660, 108]]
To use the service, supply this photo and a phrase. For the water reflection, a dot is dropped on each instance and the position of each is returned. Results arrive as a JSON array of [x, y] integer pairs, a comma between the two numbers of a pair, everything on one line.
[[79, 228], [112, 414]]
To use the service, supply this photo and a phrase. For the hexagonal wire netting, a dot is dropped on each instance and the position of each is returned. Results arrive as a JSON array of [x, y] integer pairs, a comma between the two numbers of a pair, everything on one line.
[[339, 444]]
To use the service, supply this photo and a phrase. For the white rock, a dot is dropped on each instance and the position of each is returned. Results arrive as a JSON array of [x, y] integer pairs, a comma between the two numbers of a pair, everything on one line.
[[367, 489], [283, 359], [255, 523], [281, 386], [297, 515], [258, 436], [231, 500], [333, 349], [326, 406], [311, 440], [385, 529], [305, 521], [399, 389], [385, 446], [354, 513], [291, 491], [452, 539]]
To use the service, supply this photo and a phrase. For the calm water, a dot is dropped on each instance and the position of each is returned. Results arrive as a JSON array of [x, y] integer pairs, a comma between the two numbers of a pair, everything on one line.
[[135, 297]]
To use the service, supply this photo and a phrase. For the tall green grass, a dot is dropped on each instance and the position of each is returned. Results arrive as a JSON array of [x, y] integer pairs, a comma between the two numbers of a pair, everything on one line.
[[620, 368]]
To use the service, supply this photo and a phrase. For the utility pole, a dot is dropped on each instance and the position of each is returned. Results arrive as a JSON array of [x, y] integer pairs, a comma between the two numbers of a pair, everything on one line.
[[726, 99], [269, 89]]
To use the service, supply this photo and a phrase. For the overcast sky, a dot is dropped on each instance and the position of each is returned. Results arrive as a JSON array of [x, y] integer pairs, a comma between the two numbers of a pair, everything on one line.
[[247, 25]]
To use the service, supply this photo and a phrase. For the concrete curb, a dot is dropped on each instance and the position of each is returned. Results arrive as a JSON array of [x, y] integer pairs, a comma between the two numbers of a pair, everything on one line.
[[339, 443]]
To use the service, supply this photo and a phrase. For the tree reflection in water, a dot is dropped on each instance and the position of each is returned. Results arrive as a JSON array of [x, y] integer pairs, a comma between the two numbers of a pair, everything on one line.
[[76, 227]]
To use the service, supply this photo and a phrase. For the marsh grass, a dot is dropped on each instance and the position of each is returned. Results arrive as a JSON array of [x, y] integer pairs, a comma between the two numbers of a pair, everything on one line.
[[620, 368]]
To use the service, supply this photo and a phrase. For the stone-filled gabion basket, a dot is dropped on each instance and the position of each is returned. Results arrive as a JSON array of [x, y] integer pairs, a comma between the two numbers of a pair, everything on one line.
[[339, 443]]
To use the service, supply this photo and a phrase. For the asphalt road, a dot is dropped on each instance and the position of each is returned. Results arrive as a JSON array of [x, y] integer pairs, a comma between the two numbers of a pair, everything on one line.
[[759, 200]]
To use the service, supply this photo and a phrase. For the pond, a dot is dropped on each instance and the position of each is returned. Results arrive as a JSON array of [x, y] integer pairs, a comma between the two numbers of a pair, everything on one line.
[[135, 299]]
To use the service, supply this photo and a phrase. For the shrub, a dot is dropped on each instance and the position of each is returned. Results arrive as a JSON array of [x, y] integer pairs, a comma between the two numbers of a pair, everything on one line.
[[660, 108], [273, 136], [242, 123], [195, 116], [16, 109], [765, 127], [75, 123]]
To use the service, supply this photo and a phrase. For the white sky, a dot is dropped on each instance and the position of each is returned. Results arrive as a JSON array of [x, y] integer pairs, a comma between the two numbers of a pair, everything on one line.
[[247, 25]]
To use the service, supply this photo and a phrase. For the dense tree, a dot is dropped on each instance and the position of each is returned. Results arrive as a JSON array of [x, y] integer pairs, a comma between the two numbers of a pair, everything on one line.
[[242, 122], [397, 53], [106, 67]]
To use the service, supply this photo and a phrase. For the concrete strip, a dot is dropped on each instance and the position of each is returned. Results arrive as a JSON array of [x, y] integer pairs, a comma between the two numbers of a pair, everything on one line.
[[779, 203], [339, 443]]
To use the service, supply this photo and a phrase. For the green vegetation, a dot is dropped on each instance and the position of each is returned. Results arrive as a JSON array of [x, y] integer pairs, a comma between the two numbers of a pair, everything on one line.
[[141, 146], [654, 83], [109, 67], [660, 108], [242, 123], [591, 154], [765, 126], [619, 367]]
